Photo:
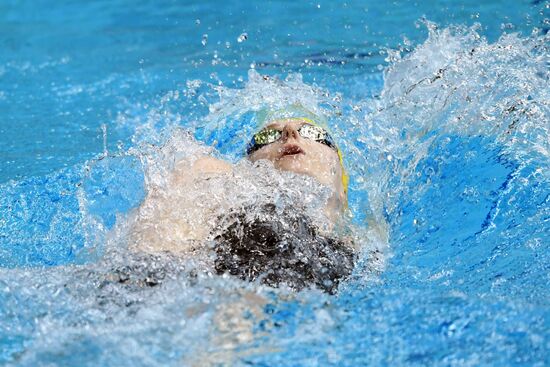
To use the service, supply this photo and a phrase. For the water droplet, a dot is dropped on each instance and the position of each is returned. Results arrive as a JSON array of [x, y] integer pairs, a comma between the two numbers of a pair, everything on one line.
[[242, 37], [104, 133]]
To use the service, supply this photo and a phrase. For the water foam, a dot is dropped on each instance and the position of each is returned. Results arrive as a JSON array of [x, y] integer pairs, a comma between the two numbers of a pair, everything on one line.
[[455, 84]]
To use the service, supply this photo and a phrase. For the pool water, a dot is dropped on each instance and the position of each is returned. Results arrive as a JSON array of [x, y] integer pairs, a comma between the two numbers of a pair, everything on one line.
[[442, 110]]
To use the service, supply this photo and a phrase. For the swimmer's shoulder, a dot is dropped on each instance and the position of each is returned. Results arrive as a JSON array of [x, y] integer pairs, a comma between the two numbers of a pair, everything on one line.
[[187, 171], [209, 164]]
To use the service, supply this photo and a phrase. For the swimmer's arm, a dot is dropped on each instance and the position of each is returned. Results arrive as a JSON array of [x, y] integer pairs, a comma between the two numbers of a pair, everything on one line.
[[186, 172], [150, 215]]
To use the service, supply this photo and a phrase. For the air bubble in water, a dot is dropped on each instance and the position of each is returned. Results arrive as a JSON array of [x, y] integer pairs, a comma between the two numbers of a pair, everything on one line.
[[242, 37]]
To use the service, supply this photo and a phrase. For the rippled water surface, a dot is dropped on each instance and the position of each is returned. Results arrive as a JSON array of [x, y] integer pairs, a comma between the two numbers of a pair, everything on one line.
[[442, 112]]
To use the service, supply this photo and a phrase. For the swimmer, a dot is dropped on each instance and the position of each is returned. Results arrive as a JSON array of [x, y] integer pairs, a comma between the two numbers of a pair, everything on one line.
[[274, 246]]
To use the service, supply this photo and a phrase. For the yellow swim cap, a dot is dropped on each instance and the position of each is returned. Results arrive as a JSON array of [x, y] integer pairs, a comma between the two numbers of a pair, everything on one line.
[[294, 111]]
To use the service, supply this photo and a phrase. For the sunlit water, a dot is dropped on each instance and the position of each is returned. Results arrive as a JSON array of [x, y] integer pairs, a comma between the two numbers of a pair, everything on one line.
[[444, 131]]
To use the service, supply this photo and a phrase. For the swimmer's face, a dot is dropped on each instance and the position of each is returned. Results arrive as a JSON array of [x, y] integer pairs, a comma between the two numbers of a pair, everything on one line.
[[294, 153]]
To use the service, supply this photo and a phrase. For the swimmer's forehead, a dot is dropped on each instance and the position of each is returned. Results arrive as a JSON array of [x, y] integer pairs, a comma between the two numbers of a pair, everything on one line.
[[280, 124]]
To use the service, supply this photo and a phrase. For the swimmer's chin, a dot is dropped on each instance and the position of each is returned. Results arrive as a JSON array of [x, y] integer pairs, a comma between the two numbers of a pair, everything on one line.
[[292, 163]]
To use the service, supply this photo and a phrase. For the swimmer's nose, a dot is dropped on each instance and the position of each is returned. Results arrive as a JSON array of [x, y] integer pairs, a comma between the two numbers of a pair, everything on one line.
[[290, 132]]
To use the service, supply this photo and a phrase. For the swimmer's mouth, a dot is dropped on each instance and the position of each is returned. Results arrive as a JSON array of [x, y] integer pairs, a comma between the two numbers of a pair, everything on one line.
[[291, 150]]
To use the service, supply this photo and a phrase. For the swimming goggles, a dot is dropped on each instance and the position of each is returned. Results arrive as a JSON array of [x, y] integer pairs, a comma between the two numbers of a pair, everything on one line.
[[269, 135]]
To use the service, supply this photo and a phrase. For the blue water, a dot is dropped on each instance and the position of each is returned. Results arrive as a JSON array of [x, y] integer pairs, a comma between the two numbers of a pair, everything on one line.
[[443, 111]]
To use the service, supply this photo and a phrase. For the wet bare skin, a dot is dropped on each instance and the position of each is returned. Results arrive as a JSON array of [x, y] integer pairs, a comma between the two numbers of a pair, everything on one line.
[[294, 153], [158, 227]]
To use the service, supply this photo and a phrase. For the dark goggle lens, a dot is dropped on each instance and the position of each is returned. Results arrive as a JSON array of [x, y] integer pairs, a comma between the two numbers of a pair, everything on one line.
[[267, 136], [261, 138], [308, 131], [318, 134]]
